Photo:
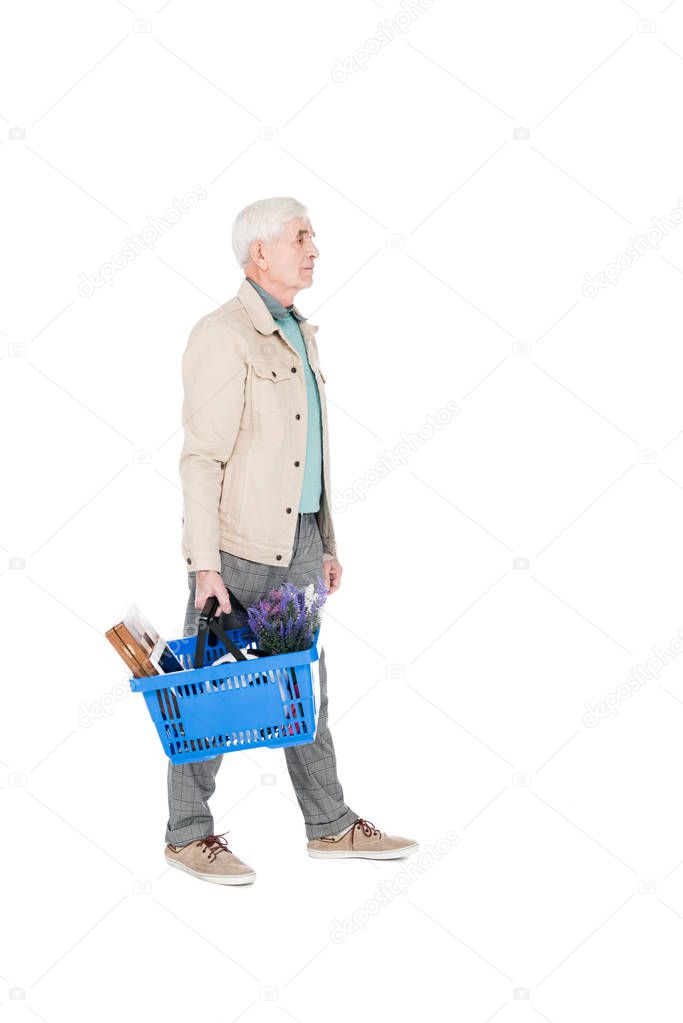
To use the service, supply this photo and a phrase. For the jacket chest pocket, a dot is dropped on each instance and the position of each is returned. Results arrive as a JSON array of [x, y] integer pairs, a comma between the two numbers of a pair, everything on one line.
[[272, 389]]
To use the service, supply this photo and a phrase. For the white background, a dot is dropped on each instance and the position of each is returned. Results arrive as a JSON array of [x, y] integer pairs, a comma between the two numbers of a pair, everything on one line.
[[516, 564]]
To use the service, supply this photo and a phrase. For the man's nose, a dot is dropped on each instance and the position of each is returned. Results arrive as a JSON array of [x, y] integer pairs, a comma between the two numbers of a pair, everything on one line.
[[313, 250]]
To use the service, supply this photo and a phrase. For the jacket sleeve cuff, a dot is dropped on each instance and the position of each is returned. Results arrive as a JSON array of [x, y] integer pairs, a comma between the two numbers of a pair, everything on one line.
[[203, 563]]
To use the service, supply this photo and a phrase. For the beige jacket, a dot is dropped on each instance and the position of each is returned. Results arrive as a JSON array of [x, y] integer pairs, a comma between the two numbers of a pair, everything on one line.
[[244, 449]]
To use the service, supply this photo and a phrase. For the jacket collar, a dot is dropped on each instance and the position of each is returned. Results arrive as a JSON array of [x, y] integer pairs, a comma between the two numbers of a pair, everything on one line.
[[260, 315]]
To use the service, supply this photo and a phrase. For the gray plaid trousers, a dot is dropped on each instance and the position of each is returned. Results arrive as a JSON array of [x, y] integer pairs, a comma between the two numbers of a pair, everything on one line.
[[313, 767]]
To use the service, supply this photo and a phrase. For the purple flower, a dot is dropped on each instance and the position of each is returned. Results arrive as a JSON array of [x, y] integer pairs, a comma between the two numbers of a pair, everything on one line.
[[289, 618]]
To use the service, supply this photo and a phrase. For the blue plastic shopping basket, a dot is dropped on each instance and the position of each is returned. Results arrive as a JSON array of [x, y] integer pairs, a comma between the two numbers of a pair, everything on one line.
[[245, 704]]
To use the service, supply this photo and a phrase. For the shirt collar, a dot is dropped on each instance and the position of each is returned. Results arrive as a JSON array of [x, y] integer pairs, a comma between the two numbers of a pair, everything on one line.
[[276, 309]]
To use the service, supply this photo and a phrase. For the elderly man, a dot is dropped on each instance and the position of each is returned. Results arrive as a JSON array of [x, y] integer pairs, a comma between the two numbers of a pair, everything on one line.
[[255, 473]]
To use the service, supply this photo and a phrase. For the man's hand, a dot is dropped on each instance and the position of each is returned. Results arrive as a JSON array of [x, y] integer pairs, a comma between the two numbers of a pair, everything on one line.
[[332, 573], [210, 584]]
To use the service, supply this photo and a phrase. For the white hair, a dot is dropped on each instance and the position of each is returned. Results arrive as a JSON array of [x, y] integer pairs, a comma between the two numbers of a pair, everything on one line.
[[264, 221]]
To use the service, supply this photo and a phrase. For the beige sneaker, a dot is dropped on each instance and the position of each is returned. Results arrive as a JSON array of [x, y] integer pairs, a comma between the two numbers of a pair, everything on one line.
[[361, 839], [210, 859]]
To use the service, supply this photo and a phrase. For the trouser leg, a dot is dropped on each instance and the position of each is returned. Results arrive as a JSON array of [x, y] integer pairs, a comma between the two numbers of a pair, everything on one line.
[[190, 786], [313, 770]]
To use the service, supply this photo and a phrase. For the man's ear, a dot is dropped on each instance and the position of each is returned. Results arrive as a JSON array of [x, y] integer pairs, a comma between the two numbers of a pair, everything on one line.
[[258, 255]]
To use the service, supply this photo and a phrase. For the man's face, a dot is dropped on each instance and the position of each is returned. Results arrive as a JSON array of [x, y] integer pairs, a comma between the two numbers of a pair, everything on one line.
[[291, 257]]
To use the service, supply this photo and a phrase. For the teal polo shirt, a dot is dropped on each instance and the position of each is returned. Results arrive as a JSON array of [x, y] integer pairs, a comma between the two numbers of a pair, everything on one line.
[[287, 320]]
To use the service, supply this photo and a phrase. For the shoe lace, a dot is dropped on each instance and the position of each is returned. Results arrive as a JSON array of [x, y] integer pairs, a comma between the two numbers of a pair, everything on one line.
[[214, 844], [367, 828]]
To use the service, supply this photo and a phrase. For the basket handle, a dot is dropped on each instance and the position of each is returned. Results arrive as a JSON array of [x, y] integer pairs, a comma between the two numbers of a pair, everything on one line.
[[206, 622]]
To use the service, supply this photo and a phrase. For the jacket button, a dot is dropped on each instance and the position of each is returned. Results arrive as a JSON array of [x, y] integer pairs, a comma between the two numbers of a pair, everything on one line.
[[297, 416], [278, 557], [297, 463], [293, 369], [189, 561], [273, 372], [288, 510]]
